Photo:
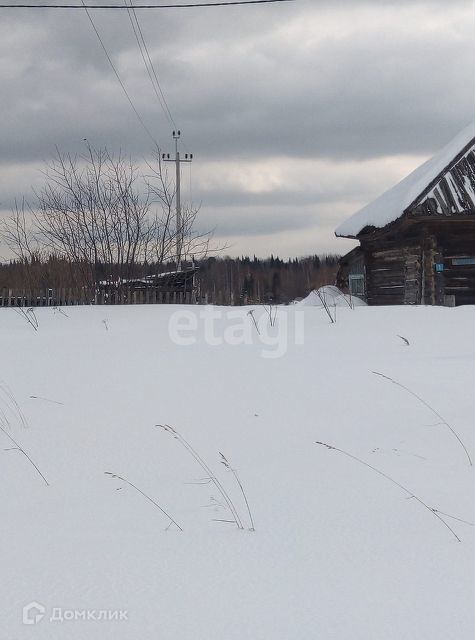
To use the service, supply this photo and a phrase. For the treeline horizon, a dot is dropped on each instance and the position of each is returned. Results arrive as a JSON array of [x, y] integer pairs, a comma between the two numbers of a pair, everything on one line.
[[245, 280], [219, 279], [98, 217]]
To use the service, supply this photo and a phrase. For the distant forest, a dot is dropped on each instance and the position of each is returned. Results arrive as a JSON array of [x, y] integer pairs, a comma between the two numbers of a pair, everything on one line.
[[219, 280], [252, 280]]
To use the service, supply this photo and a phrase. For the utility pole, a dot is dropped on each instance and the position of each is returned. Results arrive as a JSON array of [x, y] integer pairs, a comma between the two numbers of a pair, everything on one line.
[[179, 217]]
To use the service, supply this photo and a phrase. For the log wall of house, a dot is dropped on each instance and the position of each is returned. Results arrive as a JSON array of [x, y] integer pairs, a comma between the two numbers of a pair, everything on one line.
[[457, 251], [429, 263], [393, 273], [412, 275], [420, 261], [385, 277], [429, 255]]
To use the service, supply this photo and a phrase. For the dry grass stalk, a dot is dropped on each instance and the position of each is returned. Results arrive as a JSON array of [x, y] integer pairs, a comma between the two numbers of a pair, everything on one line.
[[172, 521], [229, 503], [435, 512], [443, 421], [226, 463]]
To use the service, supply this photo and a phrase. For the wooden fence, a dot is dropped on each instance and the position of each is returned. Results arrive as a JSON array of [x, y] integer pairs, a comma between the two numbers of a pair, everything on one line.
[[82, 296]]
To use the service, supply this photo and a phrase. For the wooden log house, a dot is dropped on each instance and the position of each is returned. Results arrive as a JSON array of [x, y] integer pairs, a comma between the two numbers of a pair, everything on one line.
[[417, 240]]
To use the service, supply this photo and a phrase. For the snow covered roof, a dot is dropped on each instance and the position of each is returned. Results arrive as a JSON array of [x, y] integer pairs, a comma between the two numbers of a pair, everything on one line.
[[410, 191]]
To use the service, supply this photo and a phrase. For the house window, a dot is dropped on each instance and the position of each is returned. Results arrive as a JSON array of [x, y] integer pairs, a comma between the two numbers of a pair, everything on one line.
[[356, 284]]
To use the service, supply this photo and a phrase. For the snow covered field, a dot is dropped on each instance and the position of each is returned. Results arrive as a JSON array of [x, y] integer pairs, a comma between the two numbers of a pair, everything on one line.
[[339, 551]]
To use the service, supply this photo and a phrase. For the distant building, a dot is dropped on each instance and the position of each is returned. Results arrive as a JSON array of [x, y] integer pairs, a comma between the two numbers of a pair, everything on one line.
[[171, 286], [417, 240]]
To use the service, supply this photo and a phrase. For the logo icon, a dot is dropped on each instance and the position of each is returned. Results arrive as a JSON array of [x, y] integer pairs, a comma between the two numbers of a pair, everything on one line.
[[33, 613]]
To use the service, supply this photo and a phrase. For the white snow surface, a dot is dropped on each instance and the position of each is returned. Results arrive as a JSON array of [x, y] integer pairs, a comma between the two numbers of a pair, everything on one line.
[[391, 205], [339, 552]]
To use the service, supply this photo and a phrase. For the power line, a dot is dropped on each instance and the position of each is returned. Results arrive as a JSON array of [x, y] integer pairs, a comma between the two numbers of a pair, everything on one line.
[[152, 74], [140, 40], [140, 6], [153, 68], [151, 71], [139, 117], [134, 28]]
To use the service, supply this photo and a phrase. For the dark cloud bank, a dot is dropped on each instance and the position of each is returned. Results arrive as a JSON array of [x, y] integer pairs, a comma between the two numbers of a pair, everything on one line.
[[336, 84]]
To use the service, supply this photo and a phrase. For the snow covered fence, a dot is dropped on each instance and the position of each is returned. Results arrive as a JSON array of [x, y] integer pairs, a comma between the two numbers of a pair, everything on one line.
[[84, 295]]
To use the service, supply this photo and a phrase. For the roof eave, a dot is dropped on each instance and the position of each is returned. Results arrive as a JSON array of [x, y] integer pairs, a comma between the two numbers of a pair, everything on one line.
[[407, 211]]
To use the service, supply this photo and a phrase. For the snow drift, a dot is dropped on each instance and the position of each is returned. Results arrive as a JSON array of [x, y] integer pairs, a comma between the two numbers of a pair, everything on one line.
[[332, 296]]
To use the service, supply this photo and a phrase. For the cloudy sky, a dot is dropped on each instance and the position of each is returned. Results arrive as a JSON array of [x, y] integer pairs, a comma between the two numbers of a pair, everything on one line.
[[297, 113]]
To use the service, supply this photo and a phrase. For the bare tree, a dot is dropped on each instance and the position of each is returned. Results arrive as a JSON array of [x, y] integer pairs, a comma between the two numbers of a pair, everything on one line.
[[97, 212], [16, 233], [92, 212]]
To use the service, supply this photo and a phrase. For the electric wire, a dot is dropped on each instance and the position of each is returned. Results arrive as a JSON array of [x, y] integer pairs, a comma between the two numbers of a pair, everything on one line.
[[151, 71], [150, 67], [139, 117], [141, 6]]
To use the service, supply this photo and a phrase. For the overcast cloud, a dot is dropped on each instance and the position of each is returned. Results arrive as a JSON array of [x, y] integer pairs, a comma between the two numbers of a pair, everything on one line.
[[297, 113]]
